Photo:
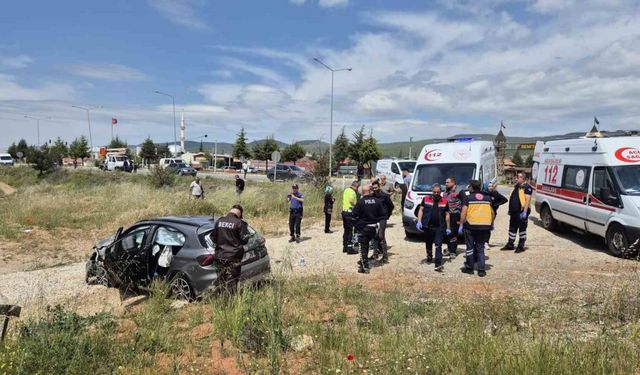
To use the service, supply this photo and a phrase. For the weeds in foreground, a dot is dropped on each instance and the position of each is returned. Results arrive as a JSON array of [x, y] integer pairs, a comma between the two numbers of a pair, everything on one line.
[[352, 329]]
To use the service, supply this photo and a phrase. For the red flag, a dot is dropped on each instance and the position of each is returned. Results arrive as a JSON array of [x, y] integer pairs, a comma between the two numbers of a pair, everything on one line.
[[114, 121]]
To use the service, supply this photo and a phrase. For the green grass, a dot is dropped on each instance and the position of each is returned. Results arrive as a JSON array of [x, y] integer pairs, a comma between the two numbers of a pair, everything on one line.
[[104, 201], [395, 332]]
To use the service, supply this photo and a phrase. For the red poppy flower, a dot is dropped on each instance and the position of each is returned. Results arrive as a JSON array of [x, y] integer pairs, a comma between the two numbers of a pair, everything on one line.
[[350, 357]]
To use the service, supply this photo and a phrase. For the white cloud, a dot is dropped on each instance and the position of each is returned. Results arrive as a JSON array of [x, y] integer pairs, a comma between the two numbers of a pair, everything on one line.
[[11, 90], [181, 12], [332, 3], [107, 72], [548, 6], [15, 62]]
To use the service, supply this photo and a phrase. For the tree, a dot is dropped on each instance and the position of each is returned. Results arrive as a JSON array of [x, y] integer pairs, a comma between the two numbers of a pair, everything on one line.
[[240, 148], [13, 150], [148, 151], [293, 152], [163, 151], [22, 147], [364, 149], [201, 148], [79, 148], [528, 162], [59, 150], [517, 159], [321, 170], [42, 159], [118, 143], [263, 150], [341, 148]]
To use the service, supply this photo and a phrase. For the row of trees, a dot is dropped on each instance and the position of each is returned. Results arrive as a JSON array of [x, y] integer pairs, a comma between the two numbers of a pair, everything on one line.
[[47, 157], [520, 162], [361, 150]]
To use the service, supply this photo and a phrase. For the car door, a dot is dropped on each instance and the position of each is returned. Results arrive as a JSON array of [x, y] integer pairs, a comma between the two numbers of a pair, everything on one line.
[[395, 173], [603, 200], [573, 195], [127, 258]]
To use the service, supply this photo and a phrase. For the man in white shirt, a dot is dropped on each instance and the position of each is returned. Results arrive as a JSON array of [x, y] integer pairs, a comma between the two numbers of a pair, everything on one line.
[[196, 189]]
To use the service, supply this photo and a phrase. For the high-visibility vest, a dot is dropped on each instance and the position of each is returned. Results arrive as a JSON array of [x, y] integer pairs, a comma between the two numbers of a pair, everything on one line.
[[479, 211]]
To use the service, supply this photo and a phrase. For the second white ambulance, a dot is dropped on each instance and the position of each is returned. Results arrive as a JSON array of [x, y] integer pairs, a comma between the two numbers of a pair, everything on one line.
[[463, 159], [592, 184]]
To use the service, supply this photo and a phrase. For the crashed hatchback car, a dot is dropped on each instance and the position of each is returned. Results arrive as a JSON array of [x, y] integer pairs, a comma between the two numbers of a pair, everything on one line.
[[177, 249]]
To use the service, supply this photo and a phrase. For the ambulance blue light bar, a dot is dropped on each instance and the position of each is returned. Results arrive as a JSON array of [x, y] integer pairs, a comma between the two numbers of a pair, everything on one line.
[[462, 140]]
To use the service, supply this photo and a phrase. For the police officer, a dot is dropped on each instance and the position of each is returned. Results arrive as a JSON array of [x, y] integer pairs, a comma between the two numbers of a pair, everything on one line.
[[519, 210], [477, 216], [296, 200], [349, 200], [367, 213], [229, 236], [434, 219], [455, 197], [381, 238]]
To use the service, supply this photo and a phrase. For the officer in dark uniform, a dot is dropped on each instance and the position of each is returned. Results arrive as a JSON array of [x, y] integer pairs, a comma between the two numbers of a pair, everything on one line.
[[519, 210], [229, 236], [381, 238], [367, 213], [477, 216]]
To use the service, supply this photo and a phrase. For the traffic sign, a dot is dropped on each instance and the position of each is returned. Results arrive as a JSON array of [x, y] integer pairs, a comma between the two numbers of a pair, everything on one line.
[[275, 156]]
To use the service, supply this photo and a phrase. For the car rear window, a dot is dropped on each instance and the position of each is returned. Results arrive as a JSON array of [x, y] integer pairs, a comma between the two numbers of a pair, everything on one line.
[[205, 237]]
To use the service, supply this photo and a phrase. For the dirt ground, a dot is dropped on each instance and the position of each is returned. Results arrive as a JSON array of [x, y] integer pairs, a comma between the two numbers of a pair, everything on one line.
[[554, 264]]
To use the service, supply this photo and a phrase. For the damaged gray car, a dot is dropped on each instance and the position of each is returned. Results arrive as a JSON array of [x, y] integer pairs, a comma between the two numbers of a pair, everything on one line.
[[177, 249]]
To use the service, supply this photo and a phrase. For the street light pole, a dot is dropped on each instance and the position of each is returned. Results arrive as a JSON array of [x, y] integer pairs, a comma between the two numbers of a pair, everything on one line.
[[175, 134], [37, 125], [331, 117], [88, 122]]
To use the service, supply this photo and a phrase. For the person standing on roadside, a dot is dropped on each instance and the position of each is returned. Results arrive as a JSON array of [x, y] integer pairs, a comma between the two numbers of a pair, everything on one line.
[[455, 197], [229, 235], [381, 238], [196, 189], [239, 185], [497, 200], [367, 213], [477, 216], [434, 219], [349, 200], [296, 200], [386, 186], [404, 188], [328, 208], [519, 210]]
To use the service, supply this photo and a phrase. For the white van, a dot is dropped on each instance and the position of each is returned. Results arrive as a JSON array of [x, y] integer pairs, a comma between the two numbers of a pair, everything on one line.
[[592, 184], [165, 162], [6, 159], [392, 168], [463, 159]]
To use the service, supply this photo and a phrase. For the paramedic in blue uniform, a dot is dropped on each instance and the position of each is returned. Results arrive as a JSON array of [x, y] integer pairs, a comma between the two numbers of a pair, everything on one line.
[[519, 210], [477, 216], [434, 220], [296, 200]]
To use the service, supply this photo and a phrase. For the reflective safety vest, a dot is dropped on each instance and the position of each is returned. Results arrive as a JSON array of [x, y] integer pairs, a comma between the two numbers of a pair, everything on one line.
[[479, 211]]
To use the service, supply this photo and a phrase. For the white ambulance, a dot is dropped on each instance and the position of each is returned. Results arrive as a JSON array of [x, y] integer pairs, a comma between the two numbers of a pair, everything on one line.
[[592, 184], [392, 168], [464, 159]]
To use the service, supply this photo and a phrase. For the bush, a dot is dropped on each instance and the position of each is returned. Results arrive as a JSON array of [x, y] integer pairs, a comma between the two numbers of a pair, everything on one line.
[[161, 177]]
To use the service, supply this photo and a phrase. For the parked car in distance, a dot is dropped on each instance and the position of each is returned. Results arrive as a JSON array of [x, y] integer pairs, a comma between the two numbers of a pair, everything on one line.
[[133, 258], [230, 169], [252, 170], [287, 172], [181, 169], [165, 162], [6, 160], [347, 170]]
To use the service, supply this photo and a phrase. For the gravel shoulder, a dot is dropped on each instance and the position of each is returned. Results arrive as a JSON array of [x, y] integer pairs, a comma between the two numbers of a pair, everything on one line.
[[554, 264]]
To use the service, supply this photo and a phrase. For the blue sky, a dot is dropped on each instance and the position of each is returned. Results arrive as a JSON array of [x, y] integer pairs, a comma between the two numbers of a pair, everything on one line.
[[420, 68]]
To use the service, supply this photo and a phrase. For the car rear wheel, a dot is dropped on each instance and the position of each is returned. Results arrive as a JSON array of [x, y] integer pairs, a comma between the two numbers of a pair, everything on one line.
[[616, 239], [548, 222], [180, 288]]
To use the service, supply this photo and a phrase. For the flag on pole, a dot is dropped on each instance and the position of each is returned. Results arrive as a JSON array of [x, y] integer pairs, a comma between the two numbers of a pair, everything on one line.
[[595, 120], [502, 125], [114, 121]]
